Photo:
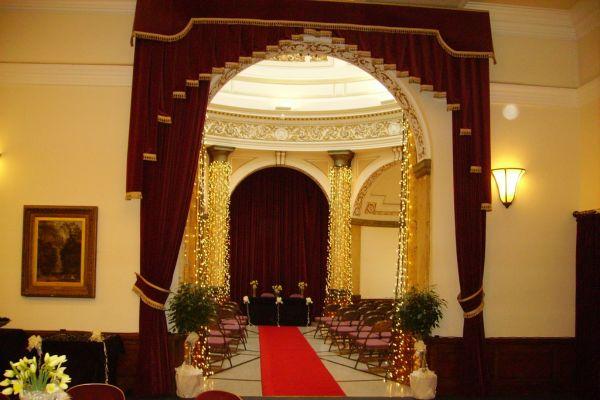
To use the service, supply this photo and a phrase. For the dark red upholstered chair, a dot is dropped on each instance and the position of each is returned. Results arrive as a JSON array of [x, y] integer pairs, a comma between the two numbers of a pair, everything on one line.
[[217, 395], [267, 295], [296, 296], [95, 391]]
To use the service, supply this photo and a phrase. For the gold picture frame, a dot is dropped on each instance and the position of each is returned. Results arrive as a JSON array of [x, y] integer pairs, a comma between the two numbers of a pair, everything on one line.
[[59, 251]]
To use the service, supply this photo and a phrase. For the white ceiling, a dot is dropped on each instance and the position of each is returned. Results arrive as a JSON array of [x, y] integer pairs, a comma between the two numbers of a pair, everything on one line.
[[302, 87]]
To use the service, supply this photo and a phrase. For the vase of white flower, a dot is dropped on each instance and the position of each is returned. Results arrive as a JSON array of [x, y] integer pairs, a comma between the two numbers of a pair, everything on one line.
[[33, 380]]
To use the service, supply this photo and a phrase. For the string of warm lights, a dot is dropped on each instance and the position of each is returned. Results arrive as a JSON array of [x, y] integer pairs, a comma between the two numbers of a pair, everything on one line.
[[402, 343], [218, 229], [200, 353], [339, 257]]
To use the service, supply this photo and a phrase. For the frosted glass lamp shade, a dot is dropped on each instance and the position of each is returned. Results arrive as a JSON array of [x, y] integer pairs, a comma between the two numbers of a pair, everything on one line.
[[507, 180]]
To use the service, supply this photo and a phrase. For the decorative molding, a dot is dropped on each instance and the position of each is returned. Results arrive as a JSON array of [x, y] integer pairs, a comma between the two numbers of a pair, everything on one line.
[[371, 208], [586, 17], [533, 95], [65, 74], [274, 131], [280, 158], [88, 6], [367, 184], [527, 21], [422, 168], [375, 223]]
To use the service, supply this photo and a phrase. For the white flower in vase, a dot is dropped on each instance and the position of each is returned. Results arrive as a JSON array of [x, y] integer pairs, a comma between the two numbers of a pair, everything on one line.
[[420, 346], [246, 299], [279, 300], [192, 338], [96, 336], [308, 301], [35, 342]]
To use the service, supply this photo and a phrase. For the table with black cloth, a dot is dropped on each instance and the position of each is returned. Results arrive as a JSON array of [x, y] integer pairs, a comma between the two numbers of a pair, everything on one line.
[[263, 311], [85, 358], [13, 343]]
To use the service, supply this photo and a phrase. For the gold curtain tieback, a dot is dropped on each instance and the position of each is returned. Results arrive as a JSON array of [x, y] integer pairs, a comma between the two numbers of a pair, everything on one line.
[[471, 297]]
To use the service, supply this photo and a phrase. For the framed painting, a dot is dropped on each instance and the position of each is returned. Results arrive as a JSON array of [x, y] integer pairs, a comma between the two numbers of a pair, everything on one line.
[[59, 251]]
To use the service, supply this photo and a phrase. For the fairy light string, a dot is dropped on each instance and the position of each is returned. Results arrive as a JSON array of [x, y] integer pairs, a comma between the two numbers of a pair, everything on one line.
[[402, 343]]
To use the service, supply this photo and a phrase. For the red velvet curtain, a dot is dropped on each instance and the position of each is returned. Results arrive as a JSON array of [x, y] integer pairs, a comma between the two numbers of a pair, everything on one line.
[[279, 234], [445, 49]]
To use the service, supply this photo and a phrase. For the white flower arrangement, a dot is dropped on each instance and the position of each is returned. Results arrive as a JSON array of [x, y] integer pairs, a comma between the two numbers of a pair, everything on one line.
[[192, 338], [277, 288], [420, 346], [254, 283], [27, 375], [278, 300], [35, 342], [96, 336], [302, 285], [246, 299], [308, 301]]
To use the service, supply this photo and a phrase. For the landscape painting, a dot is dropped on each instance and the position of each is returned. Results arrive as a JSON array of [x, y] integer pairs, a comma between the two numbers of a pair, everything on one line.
[[59, 251]]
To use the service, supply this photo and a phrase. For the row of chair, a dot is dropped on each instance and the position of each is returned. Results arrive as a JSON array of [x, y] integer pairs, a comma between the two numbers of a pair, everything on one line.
[[227, 331], [363, 330]]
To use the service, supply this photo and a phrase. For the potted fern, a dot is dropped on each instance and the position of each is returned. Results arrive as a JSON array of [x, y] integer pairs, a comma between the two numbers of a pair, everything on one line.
[[419, 312], [189, 312]]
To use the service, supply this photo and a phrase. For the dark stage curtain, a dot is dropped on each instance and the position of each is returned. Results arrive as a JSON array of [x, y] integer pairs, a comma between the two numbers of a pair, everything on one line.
[[444, 50], [279, 234]]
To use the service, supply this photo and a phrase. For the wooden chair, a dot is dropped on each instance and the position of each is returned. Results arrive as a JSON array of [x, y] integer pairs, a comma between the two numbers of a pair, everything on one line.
[[217, 395], [328, 314], [375, 347], [95, 391]]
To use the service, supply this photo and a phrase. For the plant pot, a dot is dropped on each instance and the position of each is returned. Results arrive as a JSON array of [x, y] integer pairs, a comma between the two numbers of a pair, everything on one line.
[[37, 395], [423, 384]]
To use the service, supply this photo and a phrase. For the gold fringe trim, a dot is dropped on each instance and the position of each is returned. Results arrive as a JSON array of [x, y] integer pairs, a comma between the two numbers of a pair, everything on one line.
[[149, 157], [414, 79], [147, 300], [164, 119], [377, 61], [179, 95], [133, 196], [453, 107], [471, 297], [486, 207], [439, 95], [465, 132], [426, 88], [312, 28], [389, 67], [259, 54], [475, 312], [402, 74], [192, 83], [338, 40], [218, 70], [152, 285], [206, 76], [475, 169]]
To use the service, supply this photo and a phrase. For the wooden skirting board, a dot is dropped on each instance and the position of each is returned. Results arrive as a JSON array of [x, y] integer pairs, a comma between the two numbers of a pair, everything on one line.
[[518, 366]]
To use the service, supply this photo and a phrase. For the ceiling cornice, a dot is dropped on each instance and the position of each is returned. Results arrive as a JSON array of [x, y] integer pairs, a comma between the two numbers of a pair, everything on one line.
[[121, 75], [527, 21], [88, 6]]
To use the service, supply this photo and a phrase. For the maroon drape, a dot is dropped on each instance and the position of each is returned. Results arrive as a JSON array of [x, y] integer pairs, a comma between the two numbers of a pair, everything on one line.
[[450, 54], [587, 317], [279, 234]]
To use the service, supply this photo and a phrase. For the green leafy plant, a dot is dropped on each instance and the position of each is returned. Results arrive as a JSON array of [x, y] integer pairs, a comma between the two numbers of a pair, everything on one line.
[[420, 311], [190, 308]]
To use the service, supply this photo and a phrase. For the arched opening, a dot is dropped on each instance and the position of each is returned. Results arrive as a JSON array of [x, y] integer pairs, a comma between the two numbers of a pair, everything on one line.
[[278, 233]]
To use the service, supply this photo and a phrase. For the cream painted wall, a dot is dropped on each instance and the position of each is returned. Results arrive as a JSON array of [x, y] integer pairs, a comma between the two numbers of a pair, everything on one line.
[[67, 146], [378, 262], [590, 152]]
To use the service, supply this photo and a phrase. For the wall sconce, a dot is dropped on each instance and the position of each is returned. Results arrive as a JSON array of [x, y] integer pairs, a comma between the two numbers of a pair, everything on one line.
[[507, 180]]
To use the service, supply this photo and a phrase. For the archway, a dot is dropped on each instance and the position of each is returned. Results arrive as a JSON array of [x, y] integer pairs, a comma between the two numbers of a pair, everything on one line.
[[278, 233]]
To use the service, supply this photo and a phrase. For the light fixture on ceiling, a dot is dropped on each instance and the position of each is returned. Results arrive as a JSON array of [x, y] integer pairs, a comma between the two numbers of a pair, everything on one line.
[[507, 180], [510, 111]]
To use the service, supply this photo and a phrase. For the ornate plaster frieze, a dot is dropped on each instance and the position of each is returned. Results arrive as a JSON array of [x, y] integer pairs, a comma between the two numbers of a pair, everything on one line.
[[367, 185], [312, 43]]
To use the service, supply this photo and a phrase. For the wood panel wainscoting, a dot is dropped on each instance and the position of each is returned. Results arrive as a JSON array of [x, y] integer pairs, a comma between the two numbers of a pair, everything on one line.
[[518, 366]]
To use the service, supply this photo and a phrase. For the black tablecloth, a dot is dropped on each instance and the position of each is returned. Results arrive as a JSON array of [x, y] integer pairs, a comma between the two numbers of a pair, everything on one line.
[[293, 311], [85, 359], [13, 343]]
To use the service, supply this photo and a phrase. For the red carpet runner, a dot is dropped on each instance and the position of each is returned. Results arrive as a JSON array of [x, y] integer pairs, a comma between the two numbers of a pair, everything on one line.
[[290, 367]]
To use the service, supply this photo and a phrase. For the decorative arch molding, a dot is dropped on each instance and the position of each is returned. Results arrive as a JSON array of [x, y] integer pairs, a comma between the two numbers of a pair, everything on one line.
[[367, 177], [318, 43], [302, 166]]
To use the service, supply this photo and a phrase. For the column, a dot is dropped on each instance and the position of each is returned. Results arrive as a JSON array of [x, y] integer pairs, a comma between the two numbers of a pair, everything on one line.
[[339, 257]]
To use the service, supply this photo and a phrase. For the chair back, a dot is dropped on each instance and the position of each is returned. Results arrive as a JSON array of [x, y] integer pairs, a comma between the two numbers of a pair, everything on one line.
[[95, 391], [382, 326], [217, 395], [268, 295], [296, 296]]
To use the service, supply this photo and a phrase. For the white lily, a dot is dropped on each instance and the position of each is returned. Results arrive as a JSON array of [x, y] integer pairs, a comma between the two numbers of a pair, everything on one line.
[[246, 299], [9, 373], [7, 392], [308, 301], [279, 300]]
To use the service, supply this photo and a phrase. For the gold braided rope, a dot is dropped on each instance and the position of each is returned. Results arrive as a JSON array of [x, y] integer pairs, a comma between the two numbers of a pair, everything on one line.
[[314, 25], [339, 255]]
